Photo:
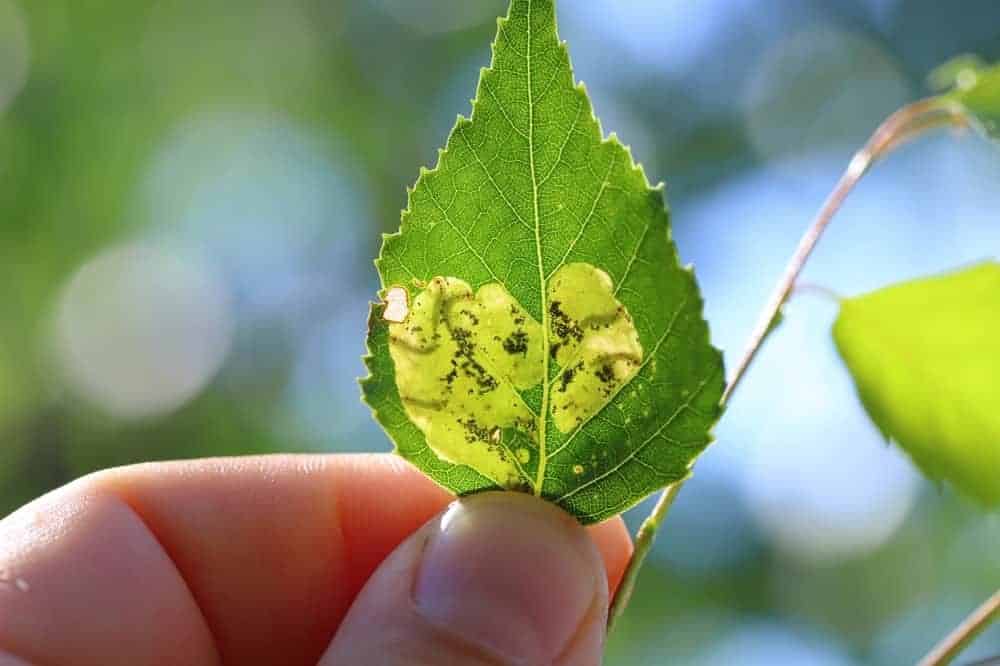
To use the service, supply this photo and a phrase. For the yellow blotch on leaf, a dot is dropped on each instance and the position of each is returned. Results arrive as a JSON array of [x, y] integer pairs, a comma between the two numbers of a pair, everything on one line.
[[460, 360], [592, 339]]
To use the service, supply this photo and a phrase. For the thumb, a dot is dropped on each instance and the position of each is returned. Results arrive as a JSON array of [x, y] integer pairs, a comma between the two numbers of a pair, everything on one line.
[[498, 578]]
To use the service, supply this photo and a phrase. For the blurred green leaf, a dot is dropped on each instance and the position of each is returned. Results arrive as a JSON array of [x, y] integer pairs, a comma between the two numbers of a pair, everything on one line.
[[976, 87], [551, 341], [925, 357]]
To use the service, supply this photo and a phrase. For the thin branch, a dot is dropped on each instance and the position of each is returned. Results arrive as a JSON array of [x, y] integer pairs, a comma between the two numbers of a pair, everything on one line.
[[963, 634], [903, 125], [644, 538]]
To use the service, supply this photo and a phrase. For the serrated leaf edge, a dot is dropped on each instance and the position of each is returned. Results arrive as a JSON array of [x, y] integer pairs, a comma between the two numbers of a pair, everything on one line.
[[611, 139]]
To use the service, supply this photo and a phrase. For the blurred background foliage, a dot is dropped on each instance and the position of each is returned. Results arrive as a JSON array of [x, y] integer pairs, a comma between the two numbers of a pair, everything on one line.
[[191, 194]]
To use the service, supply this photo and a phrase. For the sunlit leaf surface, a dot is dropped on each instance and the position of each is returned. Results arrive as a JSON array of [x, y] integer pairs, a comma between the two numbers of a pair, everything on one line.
[[554, 343], [925, 357]]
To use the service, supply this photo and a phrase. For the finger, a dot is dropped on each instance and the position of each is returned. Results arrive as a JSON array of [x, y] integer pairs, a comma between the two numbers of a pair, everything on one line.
[[264, 554], [86, 583], [269, 552], [499, 578], [11, 660]]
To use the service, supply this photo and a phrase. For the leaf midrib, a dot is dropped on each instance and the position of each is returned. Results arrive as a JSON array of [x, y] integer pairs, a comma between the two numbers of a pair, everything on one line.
[[543, 421]]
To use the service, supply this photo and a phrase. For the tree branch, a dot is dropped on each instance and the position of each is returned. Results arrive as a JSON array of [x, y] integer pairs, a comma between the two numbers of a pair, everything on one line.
[[644, 538], [903, 125], [963, 634]]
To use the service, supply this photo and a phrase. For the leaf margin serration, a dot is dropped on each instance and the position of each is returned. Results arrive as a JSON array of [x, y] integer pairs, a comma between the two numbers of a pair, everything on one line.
[[687, 271]]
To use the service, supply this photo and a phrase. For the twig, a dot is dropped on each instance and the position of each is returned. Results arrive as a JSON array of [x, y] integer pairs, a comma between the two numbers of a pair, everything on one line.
[[644, 538], [903, 125], [963, 634]]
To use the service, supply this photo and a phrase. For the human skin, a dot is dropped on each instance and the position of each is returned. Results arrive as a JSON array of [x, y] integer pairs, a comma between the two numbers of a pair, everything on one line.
[[353, 559]]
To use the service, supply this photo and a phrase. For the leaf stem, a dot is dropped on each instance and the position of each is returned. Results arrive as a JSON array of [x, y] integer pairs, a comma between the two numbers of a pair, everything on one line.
[[962, 635], [644, 538], [906, 123]]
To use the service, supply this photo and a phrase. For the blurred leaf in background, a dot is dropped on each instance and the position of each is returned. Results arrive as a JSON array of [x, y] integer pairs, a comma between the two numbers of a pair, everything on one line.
[[975, 86], [925, 356]]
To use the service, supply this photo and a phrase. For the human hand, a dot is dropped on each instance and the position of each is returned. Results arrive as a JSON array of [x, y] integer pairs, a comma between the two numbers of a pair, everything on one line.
[[293, 559]]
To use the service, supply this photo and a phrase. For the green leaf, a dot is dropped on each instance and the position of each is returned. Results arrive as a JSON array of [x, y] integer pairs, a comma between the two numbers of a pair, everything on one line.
[[975, 86], [538, 332], [925, 357]]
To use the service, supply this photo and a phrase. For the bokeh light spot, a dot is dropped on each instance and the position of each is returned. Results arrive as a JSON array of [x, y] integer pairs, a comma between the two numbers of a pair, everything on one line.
[[284, 217], [321, 405], [140, 330], [820, 87], [768, 643]]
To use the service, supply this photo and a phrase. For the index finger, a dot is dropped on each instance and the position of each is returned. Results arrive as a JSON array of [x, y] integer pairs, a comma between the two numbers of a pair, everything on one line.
[[234, 560]]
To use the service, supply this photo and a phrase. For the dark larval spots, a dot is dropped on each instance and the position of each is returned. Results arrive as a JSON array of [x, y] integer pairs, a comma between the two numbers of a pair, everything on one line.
[[449, 379], [475, 432], [564, 326], [465, 359], [568, 375], [605, 373], [516, 315], [516, 343]]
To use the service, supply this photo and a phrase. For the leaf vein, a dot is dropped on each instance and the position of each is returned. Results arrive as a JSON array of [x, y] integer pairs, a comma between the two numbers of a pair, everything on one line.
[[586, 221], [458, 232], [496, 185], [649, 357], [639, 449]]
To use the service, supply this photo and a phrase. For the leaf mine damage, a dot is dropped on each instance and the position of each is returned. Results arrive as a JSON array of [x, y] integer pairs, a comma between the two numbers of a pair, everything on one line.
[[564, 403], [396, 305], [463, 360], [458, 382], [594, 341]]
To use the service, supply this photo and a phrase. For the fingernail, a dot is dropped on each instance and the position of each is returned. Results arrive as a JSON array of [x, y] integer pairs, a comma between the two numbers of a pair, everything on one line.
[[512, 573]]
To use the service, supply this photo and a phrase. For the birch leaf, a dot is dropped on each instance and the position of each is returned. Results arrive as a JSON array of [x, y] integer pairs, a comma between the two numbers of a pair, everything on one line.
[[541, 334], [925, 357]]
